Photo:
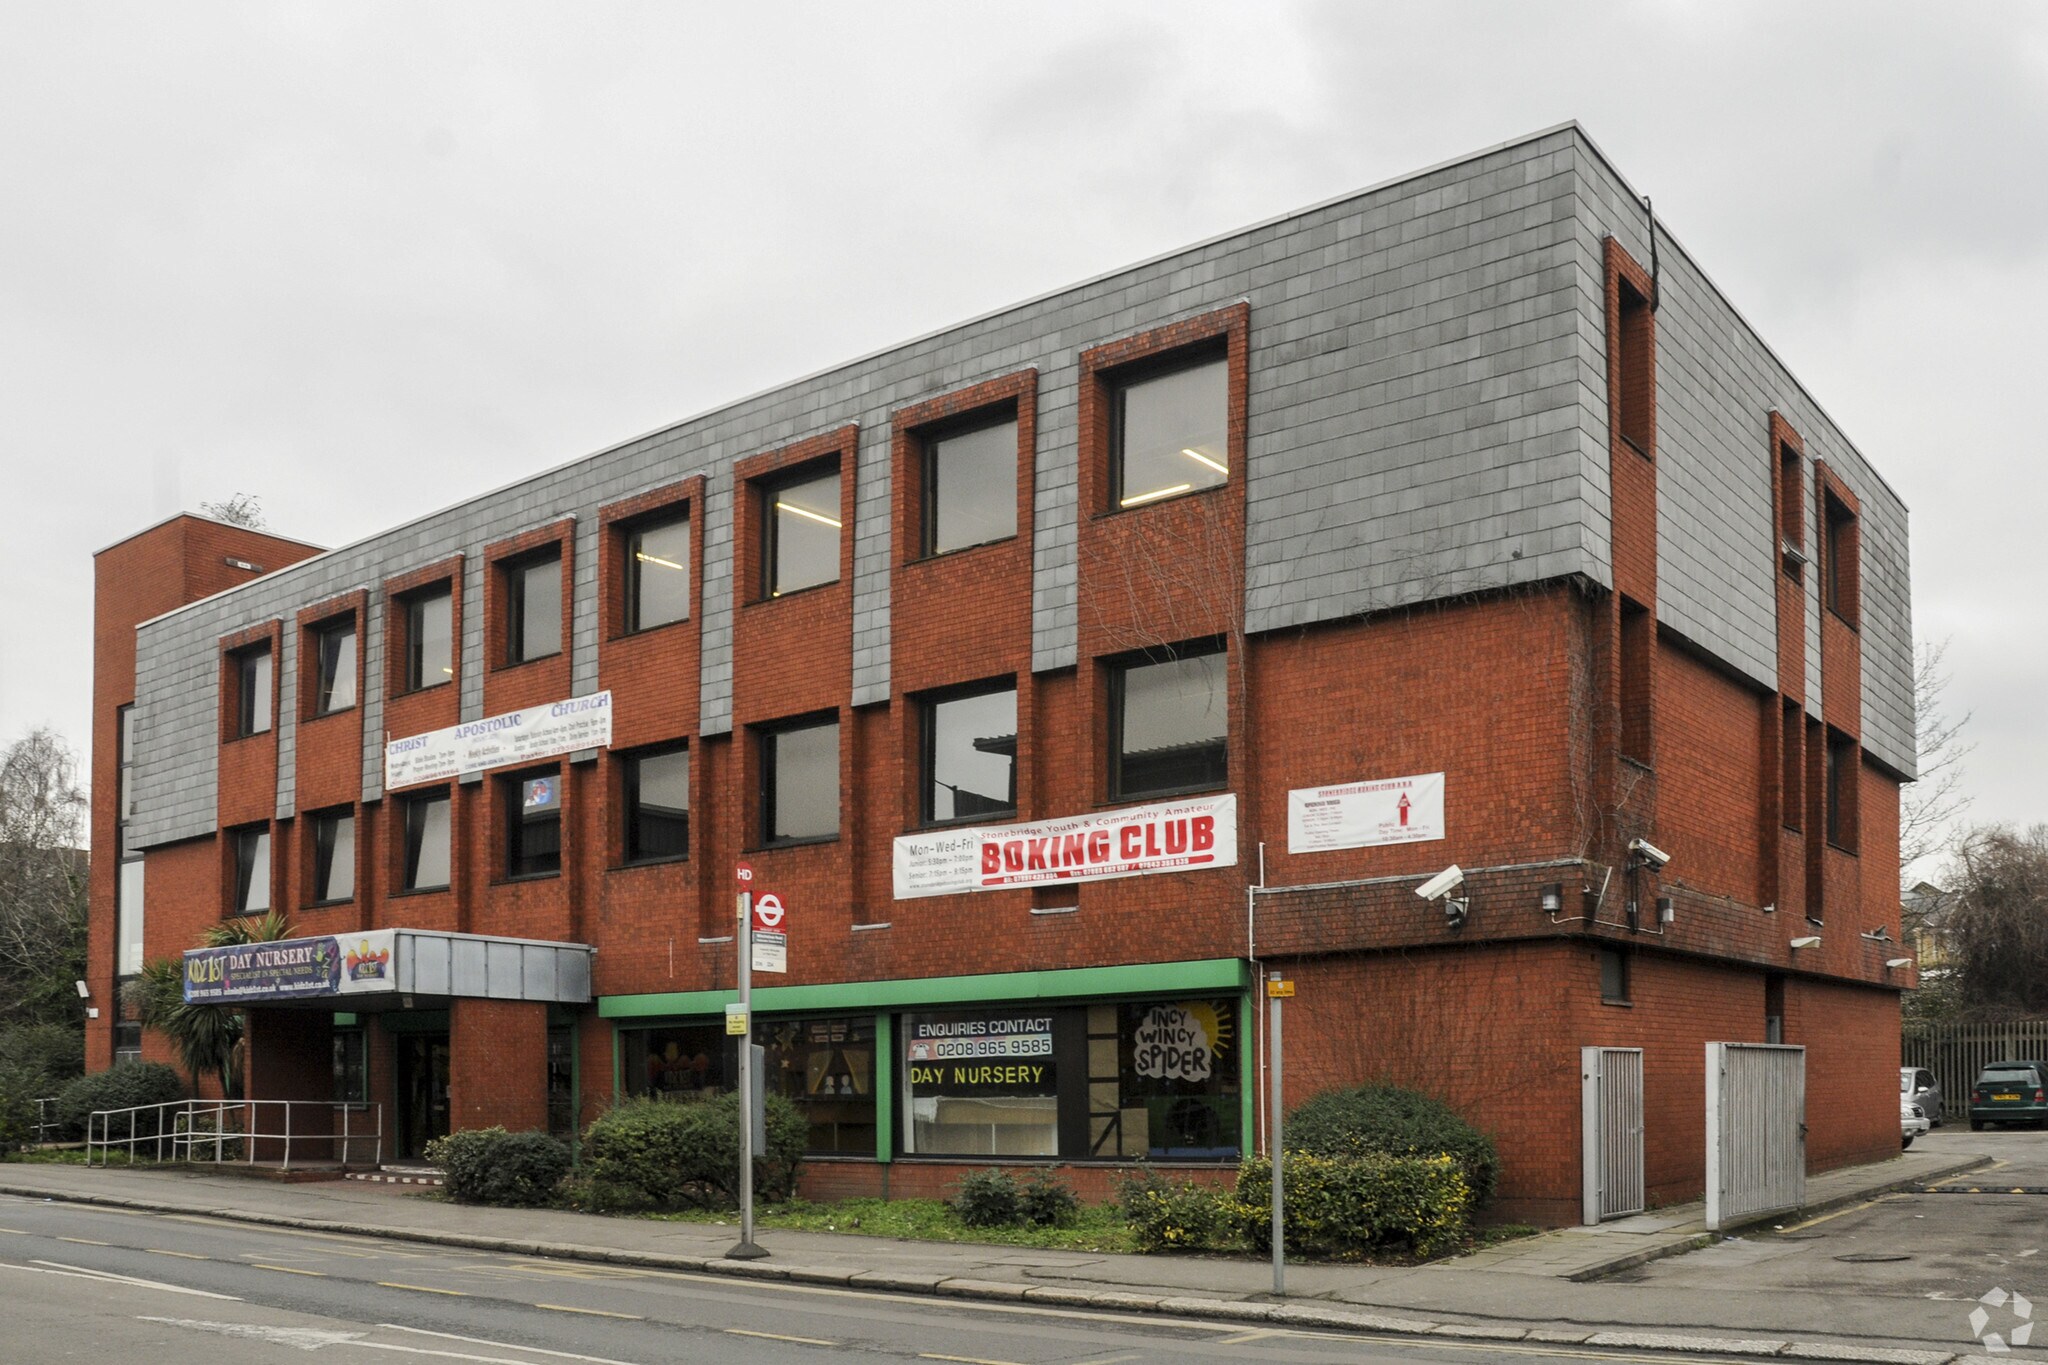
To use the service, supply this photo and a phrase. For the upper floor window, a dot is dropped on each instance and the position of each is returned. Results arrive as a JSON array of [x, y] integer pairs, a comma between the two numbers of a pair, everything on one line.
[[1841, 555], [426, 842], [657, 573], [533, 606], [1636, 379], [1169, 720], [334, 857], [1841, 790], [800, 783], [1170, 430], [970, 756], [970, 484], [1791, 511], [125, 722], [252, 870], [533, 824], [800, 525], [334, 663], [128, 917], [251, 673], [429, 637], [657, 801]]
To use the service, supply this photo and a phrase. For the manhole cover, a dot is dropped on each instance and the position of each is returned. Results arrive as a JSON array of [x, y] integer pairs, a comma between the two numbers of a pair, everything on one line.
[[1867, 1257]]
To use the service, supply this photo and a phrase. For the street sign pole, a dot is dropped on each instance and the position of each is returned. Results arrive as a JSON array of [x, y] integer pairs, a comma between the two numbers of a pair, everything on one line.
[[1276, 989], [746, 1250]]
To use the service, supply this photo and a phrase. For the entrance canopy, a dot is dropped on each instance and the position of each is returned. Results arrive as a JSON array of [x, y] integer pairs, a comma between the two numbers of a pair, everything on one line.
[[385, 968]]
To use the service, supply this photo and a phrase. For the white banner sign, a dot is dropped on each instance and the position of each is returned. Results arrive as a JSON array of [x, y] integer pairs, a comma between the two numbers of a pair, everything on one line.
[[1176, 836], [559, 727], [1394, 810]]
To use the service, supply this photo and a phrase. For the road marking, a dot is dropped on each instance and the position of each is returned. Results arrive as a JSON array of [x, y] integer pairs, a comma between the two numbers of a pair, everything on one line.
[[1854, 1208], [964, 1360], [1107, 1360], [81, 1273], [84, 1242], [777, 1336], [423, 1289], [182, 1255], [17, 1232], [503, 1345], [593, 1312], [1258, 1334], [287, 1270]]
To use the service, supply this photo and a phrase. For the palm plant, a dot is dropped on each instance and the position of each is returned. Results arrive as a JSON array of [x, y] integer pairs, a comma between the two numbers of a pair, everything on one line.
[[208, 1037]]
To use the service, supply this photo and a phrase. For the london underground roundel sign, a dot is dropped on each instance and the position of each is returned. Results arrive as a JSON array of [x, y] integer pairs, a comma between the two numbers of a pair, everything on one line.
[[769, 911]]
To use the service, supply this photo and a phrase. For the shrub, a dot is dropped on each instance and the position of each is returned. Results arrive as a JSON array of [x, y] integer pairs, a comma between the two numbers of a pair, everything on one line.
[[19, 1090], [1352, 1205], [1047, 1203], [987, 1199], [126, 1086], [56, 1052], [659, 1154], [1169, 1217], [1398, 1122], [492, 1166]]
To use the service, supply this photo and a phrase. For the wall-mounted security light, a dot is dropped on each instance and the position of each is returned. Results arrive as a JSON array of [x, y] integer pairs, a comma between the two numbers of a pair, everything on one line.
[[1807, 941], [1667, 912], [1442, 888], [1892, 964], [84, 991], [1552, 898]]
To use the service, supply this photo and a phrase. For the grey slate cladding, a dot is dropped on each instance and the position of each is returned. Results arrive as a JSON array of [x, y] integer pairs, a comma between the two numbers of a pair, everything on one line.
[[1427, 415]]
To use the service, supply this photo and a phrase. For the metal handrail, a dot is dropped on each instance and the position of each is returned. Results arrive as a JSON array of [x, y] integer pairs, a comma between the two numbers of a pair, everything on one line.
[[46, 1118], [192, 1127]]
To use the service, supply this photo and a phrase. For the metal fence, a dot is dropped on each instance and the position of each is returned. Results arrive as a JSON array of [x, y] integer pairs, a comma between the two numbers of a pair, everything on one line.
[[239, 1130], [1955, 1053]]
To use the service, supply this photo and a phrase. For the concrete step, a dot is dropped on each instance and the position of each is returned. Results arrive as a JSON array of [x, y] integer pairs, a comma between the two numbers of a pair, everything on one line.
[[402, 1175]]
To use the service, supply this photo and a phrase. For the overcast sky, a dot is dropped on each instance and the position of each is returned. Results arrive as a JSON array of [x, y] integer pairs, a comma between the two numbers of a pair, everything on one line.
[[365, 260]]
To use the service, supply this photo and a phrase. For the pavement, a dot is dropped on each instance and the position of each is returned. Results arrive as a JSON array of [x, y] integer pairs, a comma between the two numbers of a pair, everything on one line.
[[1556, 1287]]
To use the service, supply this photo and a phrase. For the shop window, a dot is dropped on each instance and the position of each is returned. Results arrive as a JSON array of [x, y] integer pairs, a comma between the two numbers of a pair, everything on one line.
[[657, 802], [334, 664], [981, 1083], [969, 757], [250, 669], [657, 573], [826, 1068], [252, 870], [1840, 552], [533, 823], [1169, 719], [351, 1067], [429, 637], [1170, 429], [1614, 983], [426, 842], [800, 532], [800, 783], [334, 857], [684, 1062], [1841, 791], [533, 606], [1164, 1080], [128, 918], [970, 484]]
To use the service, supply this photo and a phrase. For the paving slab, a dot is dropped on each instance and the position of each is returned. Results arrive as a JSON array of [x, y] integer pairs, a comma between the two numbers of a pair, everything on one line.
[[1676, 1341]]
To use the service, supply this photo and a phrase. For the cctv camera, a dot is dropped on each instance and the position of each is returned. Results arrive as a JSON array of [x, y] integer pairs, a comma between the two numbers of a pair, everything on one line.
[[1894, 963], [1442, 884], [1648, 852], [1809, 941], [84, 991]]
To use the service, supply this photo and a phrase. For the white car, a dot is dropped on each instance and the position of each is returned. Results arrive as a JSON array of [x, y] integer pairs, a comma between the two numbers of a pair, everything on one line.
[[1912, 1122]]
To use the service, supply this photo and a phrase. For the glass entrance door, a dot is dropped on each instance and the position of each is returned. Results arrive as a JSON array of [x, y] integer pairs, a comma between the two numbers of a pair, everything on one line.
[[422, 1092]]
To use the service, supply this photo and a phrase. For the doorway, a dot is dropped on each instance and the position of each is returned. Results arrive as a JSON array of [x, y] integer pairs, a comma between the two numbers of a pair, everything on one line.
[[423, 1064]]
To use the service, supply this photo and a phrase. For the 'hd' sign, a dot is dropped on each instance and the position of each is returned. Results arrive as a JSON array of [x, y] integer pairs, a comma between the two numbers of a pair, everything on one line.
[[1174, 836]]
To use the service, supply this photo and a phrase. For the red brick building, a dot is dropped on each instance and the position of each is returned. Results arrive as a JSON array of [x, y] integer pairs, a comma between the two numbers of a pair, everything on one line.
[[1063, 673]]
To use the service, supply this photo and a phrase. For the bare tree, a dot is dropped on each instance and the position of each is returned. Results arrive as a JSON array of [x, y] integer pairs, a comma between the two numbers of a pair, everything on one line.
[[242, 509], [42, 879], [1996, 920], [1931, 806]]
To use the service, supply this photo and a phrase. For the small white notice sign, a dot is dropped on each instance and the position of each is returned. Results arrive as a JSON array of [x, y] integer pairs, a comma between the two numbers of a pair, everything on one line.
[[771, 951], [1392, 810]]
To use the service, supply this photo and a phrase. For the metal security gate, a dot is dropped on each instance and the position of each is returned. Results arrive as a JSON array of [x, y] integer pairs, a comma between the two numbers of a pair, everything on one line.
[[1611, 1081], [1756, 1130]]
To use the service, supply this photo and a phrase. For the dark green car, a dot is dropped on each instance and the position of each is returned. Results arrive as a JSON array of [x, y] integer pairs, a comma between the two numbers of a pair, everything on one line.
[[2010, 1092]]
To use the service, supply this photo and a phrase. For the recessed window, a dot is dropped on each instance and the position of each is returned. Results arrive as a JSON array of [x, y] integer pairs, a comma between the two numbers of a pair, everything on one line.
[[1841, 553], [1613, 976], [1841, 791], [128, 918], [657, 573], [426, 842], [970, 485], [251, 671], [1170, 431], [1791, 512], [351, 1067], [533, 607], [800, 783], [800, 544], [657, 799], [334, 663], [970, 756], [533, 824], [1792, 761], [252, 870], [334, 857], [429, 637], [1169, 718], [1636, 382], [126, 815]]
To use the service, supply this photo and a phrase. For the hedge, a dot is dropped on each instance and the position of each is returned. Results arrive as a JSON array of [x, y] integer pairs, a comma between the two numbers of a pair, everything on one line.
[[660, 1154], [127, 1086], [492, 1166], [1397, 1122], [1356, 1205]]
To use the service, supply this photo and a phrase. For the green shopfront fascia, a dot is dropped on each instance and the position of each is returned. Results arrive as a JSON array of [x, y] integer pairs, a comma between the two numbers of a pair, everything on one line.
[[1148, 1061]]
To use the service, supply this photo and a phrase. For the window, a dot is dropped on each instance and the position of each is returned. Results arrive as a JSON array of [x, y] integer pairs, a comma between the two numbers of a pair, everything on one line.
[[533, 823], [562, 1083], [1636, 384], [657, 792], [1841, 554], [657, 573], [800, 544], [334, 857], [800, 783], [334, 659], [127, 1028], [426, 842], [1169, 719], [1613, 976], [981, 1083], [351, 1067], [1638, 638], [533, 607], [970, 485], [970, 756], [1841, 793], [1171, 1070], [681, 1063], [128, 903], [252, 690], [1170, 430], [252, 870], [125, 723], [429, 638], [1792, 758], [826, 1068], [1791, 512]]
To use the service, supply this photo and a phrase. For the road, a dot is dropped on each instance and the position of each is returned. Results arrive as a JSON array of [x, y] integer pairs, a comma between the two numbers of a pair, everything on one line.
[[91, 1284]]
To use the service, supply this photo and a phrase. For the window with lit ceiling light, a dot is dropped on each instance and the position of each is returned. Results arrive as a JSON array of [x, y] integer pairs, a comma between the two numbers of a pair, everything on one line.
[[429, 637], [801, 523], [1170, 428], [657, 571]]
